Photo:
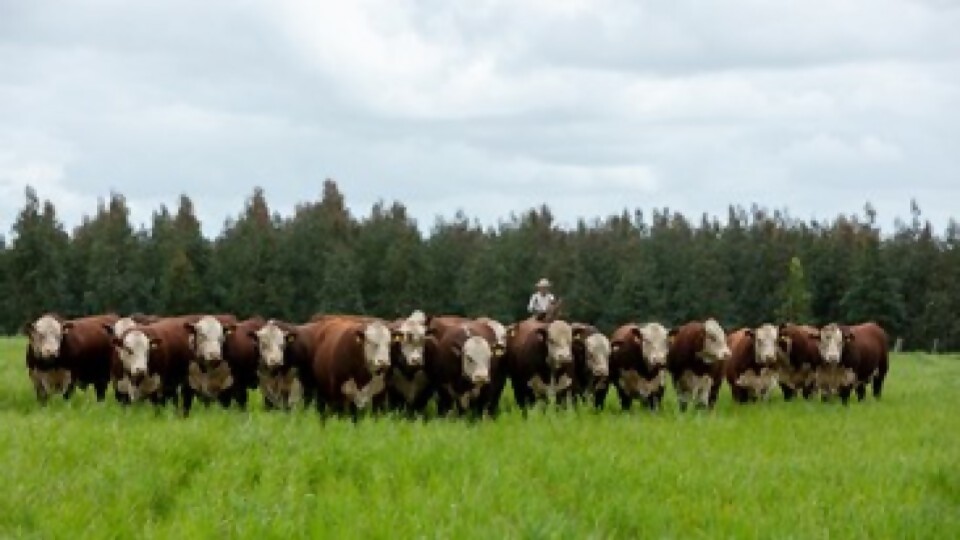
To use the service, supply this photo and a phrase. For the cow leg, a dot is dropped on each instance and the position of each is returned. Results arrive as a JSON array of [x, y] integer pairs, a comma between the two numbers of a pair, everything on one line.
[[187, 400], [444, 403], [224, 398], [878, 385], [788, 393], [808, 391], [861, 391], [68, 391], [240, 396], [100, 388], [845, 395], [599, 398]]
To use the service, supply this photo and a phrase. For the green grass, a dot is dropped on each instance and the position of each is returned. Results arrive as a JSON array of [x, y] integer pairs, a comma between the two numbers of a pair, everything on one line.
[[887, 469]]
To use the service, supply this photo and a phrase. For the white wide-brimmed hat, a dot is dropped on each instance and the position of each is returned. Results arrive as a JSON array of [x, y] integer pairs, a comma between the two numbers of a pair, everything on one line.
[[544, 282]]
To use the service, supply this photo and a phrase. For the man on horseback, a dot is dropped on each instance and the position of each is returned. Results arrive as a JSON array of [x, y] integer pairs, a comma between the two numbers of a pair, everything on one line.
[[542, 303]]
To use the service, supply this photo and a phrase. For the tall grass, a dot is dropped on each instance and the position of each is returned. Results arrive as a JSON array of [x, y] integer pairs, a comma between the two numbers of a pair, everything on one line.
[[888, 469]]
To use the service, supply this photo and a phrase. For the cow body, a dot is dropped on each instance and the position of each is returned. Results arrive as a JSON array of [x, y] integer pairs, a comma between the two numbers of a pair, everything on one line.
[[283, 353], [638, 364], [408, 387], [695, 362], [853, 357], [240, 355], [350, 364], [63, 355], [459, 368], [539, 361], [797, 371], [156, 362], [755, 357]]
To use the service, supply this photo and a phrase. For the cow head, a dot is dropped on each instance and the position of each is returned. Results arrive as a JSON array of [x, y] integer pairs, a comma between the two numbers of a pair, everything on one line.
[[558, 336], [654, 342], [766, 344], [272, 340], [715, 347], [375, 338], [475, 356], [134, 348], [207, 336], [597, 347], [46, 335], [830, 341], [499, 334], [410, 337], [120, 327]]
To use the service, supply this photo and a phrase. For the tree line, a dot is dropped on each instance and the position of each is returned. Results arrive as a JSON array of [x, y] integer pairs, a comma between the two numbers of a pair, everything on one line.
[[754, 266]]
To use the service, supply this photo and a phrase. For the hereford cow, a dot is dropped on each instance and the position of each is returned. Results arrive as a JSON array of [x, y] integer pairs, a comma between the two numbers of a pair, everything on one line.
[[853, 357], [209, 374], [638, 363], [797, 371], [459, 368], [116, 367], [755, 358], [62, 355], [240, 356], [591, 364], [350, 364], [279, 364], [695, 362], [407, 384], [539, 361], [155, 360]]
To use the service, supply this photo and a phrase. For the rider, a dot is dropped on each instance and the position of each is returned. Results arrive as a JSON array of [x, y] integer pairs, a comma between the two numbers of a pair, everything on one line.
[[542, 300]]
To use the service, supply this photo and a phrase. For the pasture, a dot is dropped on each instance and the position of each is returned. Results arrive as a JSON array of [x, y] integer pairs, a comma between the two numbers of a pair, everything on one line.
[[887, 469]]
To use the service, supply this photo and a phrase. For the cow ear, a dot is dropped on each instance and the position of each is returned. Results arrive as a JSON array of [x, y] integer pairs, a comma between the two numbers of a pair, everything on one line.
[[189, 327], [637, 333], [430, 332], [290, 338], [542, 334], [155, 344], [616, 345], [847, 337], [360, 336], [108, 329], [397, 337], [457, 351], [67, 327], [578, 334], [253, 335], [229, 328], [512, 330], [814, 335], [28, 328], [117, 342], [672, 332], [750, 333], [785, 342]]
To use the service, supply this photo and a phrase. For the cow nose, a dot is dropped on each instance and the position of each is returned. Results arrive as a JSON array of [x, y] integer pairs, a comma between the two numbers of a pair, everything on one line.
[[480, 378], [415, 360]]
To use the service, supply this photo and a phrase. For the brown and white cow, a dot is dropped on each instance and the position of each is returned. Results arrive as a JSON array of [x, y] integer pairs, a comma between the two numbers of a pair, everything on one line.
[[539, 361], [407, 383], [351, 363], [797, 372], [695, 362], [155, 361], [591, 363], [240, 354], [460, 367], [278, 370], [853, 357], [116, 367], [209, 374], [756, 355], [62, 355], [638, 363]]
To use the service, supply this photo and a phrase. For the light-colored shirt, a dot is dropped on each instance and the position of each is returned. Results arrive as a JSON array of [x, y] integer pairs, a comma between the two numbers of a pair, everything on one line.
[[540, 303]]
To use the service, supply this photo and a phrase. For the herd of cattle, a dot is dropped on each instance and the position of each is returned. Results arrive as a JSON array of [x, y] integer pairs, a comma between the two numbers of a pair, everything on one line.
[[347, 363]]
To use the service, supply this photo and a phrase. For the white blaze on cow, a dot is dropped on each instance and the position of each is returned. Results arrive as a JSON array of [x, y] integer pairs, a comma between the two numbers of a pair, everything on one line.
[[475, 355], [597, 347], [830, 343], [655, 343], [207, 337], [765, 344], [559, 338], [715, 347], [271, 341], [411, 335], [376, 341], [46, 334], [133, 348]]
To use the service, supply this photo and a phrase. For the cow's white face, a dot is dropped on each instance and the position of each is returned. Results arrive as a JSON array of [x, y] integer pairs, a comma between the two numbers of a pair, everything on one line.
[[499, 332], [123, 325], [655, 343], [411, 336], [715, 347], [46, 334], [207, 339], [559, 338], [597, 347], [475, 356], [765, 342], [271, 342], [376, 338], [831, 343], [134, 351]]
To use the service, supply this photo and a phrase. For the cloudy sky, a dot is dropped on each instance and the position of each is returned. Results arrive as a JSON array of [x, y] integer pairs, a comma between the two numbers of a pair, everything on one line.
[[487, 106]]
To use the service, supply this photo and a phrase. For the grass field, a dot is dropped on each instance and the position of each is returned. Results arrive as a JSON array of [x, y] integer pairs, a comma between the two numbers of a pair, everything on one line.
[[887, 469]]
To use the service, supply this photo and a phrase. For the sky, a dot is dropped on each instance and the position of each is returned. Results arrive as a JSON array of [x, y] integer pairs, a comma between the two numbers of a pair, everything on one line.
[[487, 106]]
